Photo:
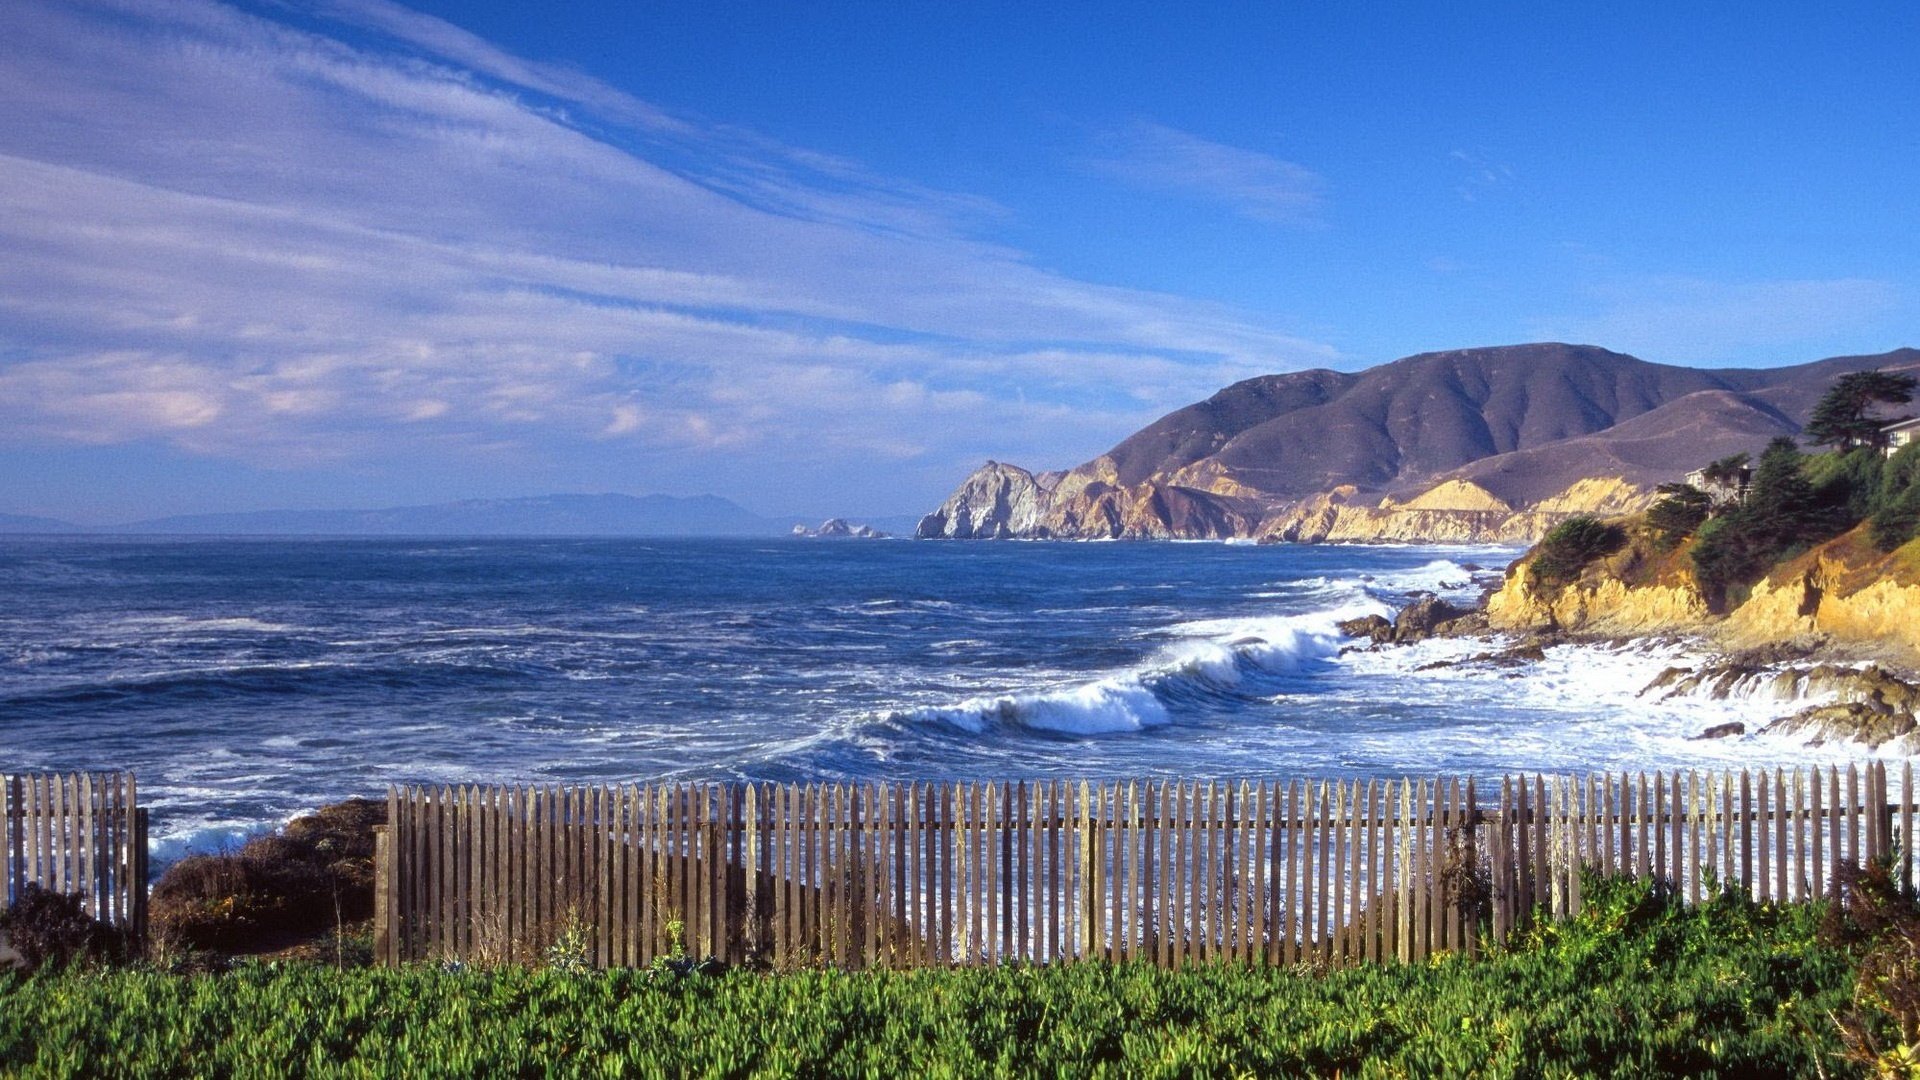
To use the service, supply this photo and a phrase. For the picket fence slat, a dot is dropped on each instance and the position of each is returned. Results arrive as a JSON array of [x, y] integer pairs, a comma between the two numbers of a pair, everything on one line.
[[929, 874], [78, 834]]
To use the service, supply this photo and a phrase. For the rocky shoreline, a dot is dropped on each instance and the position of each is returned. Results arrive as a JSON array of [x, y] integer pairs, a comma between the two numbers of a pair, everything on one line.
[[1846, 692]]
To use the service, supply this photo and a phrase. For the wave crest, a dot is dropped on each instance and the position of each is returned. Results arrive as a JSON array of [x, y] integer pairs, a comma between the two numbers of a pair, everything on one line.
[[1212, 659]]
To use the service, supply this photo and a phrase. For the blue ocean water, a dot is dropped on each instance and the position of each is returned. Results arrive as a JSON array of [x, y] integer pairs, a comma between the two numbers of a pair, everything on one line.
[[247, 680]]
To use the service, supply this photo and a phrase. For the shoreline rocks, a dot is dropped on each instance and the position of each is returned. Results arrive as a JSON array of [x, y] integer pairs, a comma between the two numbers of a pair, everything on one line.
[[1870, 702]]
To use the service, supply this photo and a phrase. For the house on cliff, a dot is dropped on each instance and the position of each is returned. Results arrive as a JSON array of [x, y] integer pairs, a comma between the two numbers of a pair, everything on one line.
[[1725, 486], [1899, 434]]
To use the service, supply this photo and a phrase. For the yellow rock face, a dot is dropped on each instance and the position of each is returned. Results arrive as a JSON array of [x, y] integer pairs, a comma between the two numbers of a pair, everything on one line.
[[1456, 495], [1806, 604], [1599, 604], [1606, 496], [1453, 512], [1811, 605]]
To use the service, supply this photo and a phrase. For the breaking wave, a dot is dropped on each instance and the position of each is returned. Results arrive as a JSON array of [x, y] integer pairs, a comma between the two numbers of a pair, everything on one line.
[[1210, 661]]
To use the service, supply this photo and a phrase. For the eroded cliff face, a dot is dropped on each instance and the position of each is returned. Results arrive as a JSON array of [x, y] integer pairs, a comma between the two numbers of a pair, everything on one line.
[[1090, 503], [997, 501], [1843, 592]]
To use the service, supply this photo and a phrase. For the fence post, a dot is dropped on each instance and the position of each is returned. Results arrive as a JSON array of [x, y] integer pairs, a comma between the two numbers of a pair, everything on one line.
[[139, 854], [382, 889]]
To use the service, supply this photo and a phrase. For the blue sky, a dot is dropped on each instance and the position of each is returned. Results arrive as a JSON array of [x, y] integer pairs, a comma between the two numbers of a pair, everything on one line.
[[826, 258]]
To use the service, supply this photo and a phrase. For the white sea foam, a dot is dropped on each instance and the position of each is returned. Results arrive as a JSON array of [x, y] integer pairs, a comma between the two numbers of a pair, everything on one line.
[[1211, 654], [189, 624]]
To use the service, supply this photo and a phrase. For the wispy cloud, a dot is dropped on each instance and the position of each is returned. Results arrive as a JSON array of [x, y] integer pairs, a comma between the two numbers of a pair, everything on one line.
[[1694, 320], [1254, 185], [246, 239], [1477, 176]]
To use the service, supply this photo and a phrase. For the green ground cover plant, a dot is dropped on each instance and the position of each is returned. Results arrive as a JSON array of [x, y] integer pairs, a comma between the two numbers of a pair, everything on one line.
[[1637, 985]]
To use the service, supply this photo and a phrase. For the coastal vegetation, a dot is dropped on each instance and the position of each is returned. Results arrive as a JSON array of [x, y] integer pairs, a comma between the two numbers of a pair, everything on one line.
[[1796, 547], [1569, 546], [1637, 984]]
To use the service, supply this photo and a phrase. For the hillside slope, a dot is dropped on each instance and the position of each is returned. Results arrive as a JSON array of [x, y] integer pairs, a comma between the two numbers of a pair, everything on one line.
[[1513, 432]]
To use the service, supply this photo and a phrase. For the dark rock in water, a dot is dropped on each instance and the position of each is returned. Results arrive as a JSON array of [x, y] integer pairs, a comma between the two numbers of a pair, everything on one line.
[[1868, 705], [1519, 655], [1418, 620], [1472, 624], [1367, 626], [1869, 723], [1722, 731]]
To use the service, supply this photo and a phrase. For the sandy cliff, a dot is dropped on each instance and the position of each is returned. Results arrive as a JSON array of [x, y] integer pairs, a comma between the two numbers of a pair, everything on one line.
[[1843, 593]]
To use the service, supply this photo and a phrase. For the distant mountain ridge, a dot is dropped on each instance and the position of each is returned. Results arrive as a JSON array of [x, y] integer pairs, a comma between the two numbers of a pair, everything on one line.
[[26, 523], [1507, 434], [539, 515]]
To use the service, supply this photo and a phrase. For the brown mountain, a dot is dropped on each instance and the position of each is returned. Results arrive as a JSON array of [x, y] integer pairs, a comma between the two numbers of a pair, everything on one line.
[[1492, 432]]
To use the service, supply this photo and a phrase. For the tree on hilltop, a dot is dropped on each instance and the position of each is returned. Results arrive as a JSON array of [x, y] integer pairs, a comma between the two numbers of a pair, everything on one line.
[[1844, 417]]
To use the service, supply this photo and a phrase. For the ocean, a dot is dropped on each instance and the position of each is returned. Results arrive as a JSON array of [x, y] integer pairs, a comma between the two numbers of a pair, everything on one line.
[[245, 681]]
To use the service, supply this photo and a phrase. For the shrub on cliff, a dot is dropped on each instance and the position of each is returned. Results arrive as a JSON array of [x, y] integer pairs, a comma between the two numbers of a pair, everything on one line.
[[1681, 510], [302, 882], [1847, 486], [1571, 545]]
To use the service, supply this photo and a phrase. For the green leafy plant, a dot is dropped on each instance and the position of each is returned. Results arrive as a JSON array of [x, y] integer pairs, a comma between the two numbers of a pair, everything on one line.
[[1569, 546], [571, 950], [1682, 508], [1637, 984], [1880, 923]]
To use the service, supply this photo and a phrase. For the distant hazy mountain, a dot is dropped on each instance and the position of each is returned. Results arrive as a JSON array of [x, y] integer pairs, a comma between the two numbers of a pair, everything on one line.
[[21, 523], [1505, 429], [540, 515]]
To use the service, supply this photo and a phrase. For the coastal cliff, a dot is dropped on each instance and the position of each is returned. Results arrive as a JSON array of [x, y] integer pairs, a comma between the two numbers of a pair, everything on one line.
[[1001, 501], [1484, 445], [1844, 593]]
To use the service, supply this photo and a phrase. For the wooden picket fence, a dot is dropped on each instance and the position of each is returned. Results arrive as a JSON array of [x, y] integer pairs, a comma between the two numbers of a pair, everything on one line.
[[1169, 873], [81, 833]]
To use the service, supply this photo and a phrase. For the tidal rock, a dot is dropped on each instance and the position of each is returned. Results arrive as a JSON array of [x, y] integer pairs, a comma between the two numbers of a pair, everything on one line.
[[1367, 626], [1722, 731], [840, 529], [1472, 624], [1850, 721], [1418, 620]]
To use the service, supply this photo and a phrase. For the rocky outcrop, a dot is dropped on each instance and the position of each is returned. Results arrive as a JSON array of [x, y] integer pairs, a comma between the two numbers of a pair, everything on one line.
[[996, 502], [1598, 604], [1854, 722], [1426, 616], [1823, 597], [839, 529], [1002, 501], [1843, 599], [1375, 628]]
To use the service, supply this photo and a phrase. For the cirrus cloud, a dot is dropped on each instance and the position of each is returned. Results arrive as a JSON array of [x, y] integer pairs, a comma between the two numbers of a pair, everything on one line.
[[398, 242]]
